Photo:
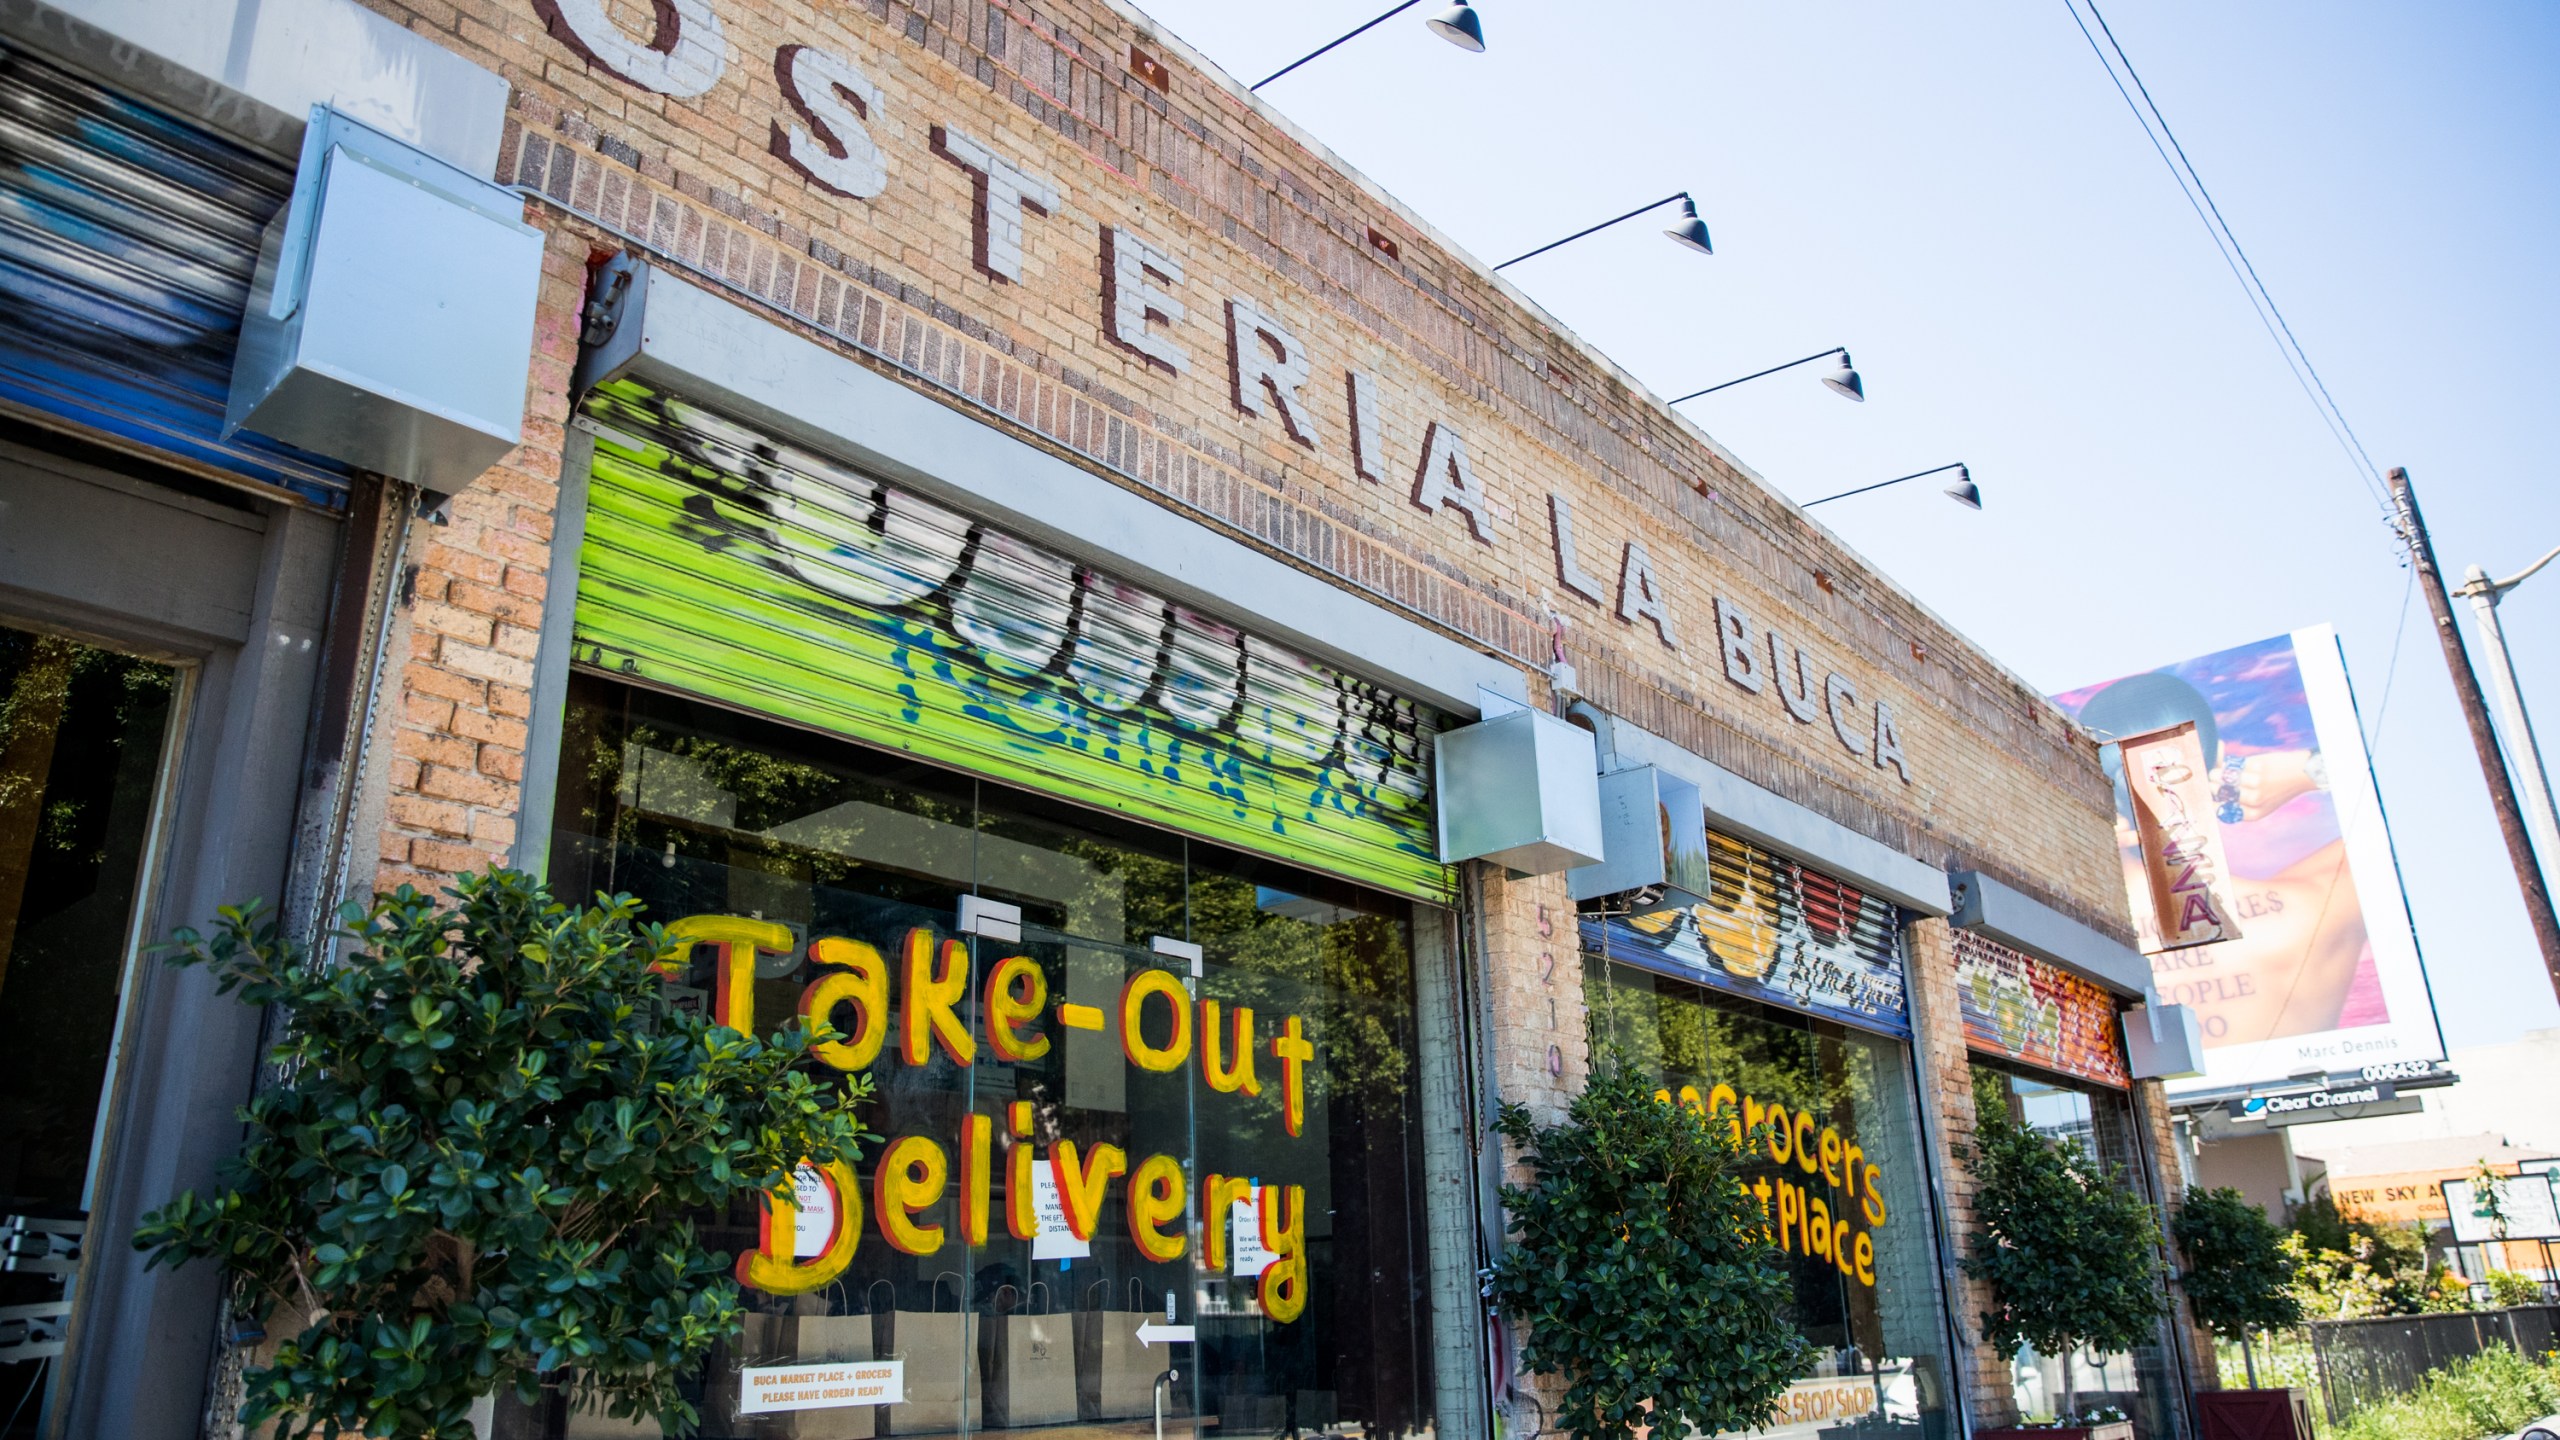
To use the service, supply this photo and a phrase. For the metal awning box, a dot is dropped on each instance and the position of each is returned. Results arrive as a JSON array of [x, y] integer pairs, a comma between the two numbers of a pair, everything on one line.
[[391, 323]]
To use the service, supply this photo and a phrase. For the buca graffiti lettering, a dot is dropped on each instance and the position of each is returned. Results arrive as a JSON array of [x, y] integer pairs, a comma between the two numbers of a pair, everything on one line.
[[727, 564]]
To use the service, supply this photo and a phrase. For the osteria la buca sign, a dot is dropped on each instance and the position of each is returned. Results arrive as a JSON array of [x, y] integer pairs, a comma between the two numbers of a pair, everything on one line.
[[1145, 299]]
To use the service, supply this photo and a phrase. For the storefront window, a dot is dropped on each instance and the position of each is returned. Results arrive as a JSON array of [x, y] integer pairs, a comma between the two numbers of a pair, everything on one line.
[[1116, 1180], [1841, 1174], [2101, 1121], [82, 732]]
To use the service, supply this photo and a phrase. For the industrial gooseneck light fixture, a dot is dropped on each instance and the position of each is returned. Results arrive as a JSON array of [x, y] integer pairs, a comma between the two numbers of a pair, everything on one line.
[[1964, 492], [1843, 378], [1689, 230], [1458, 24]]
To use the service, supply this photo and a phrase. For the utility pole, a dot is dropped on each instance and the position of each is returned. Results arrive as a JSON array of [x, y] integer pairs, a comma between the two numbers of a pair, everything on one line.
[[2484, 739]]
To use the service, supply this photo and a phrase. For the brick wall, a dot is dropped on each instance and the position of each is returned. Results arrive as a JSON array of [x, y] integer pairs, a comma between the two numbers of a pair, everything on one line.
[[1947, 1062], [455, 722], [1247, 208]]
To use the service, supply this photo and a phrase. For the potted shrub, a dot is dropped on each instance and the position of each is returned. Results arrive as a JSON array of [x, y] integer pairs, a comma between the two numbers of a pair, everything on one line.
[[1642, 1271], [2239, 1279], [477, 1169], [2071, 1254]]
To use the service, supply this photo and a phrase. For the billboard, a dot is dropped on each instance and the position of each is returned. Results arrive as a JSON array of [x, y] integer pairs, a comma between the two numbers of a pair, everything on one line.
[[2324, 974]]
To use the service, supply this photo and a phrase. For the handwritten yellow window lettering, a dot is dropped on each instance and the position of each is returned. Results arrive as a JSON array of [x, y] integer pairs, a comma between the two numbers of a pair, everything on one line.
[[1803, 1219], [922, 996]]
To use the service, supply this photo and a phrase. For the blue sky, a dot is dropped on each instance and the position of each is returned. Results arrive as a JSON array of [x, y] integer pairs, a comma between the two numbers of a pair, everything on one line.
[[1956, 193]]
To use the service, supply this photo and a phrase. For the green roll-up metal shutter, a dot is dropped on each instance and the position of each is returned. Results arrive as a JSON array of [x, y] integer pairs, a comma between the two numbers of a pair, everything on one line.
[[724, 563]]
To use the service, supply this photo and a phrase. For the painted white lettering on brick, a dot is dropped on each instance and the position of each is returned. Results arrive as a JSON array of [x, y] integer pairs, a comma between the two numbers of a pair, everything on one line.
[[1640, 595], [1135, 277], [1004, 191], [1446, 481], [1368, 443], [1734, 632], [682, 57], [835, 99], [1569, 571], [1889, 743], [1267, 363], [1843, 699], [1795, 683]]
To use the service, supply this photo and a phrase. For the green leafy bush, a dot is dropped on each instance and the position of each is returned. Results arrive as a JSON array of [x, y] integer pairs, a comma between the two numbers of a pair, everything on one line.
[[2068, 1247], [479, 1167], [2491, 1393], [2506, 1287], [2357, 1269], [2238, 1278], [1641, 1268]]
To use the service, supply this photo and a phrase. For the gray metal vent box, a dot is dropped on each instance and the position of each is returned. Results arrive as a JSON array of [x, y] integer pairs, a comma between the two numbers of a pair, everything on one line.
[[2163, 1042], [1654, 829], [391, 322], [1522, 790]]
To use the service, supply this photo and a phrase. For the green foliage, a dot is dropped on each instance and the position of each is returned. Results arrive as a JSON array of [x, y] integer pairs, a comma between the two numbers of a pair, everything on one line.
[[1642, 1270], [2349, 1269], [2069, 1249], [2491, 1393], [2506, 1287], [479, 1168], [2238, 1278]]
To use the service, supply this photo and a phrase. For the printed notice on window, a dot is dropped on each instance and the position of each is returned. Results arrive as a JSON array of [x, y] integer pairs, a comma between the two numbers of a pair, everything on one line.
[[822, 1387], [1053, 1240], [1246, 1250], [813, 1220]]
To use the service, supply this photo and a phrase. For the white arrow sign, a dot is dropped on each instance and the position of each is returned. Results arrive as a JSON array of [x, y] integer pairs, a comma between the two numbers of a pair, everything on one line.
[[1150, 1332]]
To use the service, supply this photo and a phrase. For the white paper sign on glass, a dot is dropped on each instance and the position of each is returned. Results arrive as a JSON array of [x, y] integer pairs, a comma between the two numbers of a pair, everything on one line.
[[828, 1385], [813, 1221], [1052, 1240], [1244, 1244]]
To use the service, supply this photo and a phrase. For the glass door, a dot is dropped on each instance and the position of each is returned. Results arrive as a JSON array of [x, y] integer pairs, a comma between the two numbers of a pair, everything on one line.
[[84, 737], [1151, 1157]]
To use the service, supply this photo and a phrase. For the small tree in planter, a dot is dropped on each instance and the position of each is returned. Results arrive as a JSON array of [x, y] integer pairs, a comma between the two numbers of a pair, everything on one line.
[[2070, 1251], [478, 1168], [1642, 1271], [2238, 1276]]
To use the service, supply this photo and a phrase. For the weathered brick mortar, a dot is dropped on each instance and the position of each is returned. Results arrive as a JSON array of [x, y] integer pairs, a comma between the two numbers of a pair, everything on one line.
[[1315, 539]]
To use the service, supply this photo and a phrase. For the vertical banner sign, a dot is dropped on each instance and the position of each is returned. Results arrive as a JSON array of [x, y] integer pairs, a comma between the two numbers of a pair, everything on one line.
[[725, 563], [2181, 843], [2325, 975]]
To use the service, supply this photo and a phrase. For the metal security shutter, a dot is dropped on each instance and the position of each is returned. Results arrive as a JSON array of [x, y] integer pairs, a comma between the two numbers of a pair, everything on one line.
[[128, 240], [1776, 931], [727, 564]]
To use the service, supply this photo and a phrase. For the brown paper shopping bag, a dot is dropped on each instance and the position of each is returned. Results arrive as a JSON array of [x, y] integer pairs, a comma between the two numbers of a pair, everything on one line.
[[1115, 1376], [823, 1338], [941, 1374], [1026, 1356]]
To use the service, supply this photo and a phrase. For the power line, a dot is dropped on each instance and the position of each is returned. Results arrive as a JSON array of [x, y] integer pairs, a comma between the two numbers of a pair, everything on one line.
[[2399, 632], [2146, 113]]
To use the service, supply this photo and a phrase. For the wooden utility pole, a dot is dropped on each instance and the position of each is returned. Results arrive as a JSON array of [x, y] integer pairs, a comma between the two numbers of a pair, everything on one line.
[[2475, 713]]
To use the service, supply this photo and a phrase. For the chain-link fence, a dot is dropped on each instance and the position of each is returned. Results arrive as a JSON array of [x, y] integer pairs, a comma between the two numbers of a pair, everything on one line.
[[2362, 1361]]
